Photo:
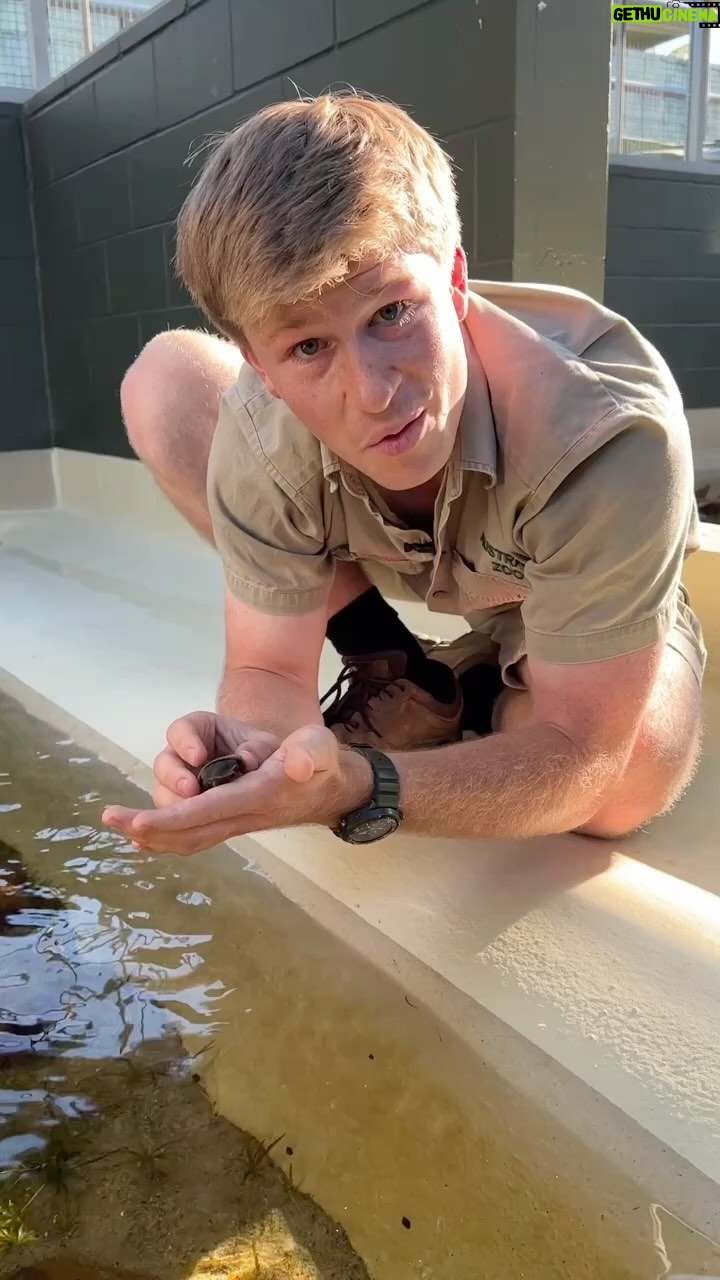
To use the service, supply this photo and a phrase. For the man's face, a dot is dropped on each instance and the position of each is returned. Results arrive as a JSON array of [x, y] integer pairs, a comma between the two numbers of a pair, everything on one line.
[[376, 369]]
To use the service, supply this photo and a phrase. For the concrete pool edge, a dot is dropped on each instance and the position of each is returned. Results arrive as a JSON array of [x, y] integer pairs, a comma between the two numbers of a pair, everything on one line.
[[457, 931], [454, 1146], [568, 1102]]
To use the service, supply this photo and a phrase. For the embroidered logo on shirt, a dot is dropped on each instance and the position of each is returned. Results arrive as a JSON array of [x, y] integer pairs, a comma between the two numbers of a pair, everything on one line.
[[502, 562]]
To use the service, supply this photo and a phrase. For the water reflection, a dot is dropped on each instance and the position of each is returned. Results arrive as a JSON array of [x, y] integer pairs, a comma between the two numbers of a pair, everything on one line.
[[110, 1152], [81, 976], [127, 985]]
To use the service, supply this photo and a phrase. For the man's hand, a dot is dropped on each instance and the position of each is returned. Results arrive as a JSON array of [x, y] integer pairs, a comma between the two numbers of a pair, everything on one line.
[[201, 736], [306, 779]]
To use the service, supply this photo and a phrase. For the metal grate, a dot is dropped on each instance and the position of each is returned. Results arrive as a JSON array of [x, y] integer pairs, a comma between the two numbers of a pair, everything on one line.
[[79, 26], [711, 149], [67, 44], [15, 72], [650, 92], [75, 28]]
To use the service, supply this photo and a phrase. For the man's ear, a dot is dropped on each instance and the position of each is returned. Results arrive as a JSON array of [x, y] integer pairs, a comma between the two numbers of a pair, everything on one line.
[[249, 355], [459, 283]]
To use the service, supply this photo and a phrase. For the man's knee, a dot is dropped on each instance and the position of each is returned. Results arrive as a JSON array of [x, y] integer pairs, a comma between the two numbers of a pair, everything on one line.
[[144, 394], [621, 818], [663, 762], [176, 382]]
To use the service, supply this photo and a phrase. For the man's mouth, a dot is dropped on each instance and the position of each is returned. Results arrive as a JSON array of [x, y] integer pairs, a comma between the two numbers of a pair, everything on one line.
[[400, 436]]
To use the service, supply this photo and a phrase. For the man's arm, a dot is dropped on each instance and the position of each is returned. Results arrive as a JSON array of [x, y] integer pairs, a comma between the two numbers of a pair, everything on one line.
[[270, 678], [549, 776], [603, 569]]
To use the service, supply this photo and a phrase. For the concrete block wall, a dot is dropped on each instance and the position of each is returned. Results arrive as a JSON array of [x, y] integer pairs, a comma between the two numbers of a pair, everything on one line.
[[109, 155], [24, 421], [663, 269]]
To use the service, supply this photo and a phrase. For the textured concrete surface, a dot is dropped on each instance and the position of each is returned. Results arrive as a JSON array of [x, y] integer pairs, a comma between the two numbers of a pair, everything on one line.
[[604, 958]]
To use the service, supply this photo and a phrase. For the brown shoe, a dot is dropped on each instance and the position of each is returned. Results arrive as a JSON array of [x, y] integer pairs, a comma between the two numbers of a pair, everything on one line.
[[374, 705]]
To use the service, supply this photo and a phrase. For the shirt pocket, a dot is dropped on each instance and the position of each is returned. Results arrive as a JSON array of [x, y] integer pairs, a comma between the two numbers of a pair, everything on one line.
[[482, 590]]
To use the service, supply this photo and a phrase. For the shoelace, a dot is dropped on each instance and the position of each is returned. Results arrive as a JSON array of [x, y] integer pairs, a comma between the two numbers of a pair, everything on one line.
[[354, 692]]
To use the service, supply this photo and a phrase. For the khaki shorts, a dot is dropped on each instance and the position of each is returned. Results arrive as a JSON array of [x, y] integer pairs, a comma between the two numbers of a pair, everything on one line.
[[500, 637]]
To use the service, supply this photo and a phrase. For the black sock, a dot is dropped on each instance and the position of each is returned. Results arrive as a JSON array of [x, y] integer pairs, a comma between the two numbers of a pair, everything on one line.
[[370, 625], [481, 686]]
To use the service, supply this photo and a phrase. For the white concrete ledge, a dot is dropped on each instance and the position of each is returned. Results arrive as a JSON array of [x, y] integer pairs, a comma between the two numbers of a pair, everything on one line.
[[603, 960]]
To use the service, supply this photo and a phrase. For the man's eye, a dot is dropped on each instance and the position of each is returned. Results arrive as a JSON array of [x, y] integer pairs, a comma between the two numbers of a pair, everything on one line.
[[308, 348], [394, 312], [391, 312]]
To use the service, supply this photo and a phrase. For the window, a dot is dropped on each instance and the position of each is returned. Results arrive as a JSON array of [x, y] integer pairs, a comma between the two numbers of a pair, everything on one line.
[[14, 50], [665, 91], [711, 144], [55, 34]]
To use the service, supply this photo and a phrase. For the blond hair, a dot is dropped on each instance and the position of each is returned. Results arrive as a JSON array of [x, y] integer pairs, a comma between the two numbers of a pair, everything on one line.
[[290, 199]]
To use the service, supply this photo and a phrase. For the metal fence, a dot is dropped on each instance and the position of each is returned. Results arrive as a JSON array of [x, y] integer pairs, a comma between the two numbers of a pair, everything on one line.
[[15, 70], [39, 39], [665, 91]]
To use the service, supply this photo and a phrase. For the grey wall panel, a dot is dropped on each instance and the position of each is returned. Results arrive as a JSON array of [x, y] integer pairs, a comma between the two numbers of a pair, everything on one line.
[[680, 299], [160, 170], [663, 269], [68, 132], [18, 294], [268, 38], [158, 174], [353, 17], [655, 198], [111, 345], [74, 285], [136, 272], [653, 251], [495, 182], [56, 219], [689, 346], [24, 415], [15, 224], [125, 97], [24, 419], [102, 196], [154, 20], [497, 270], [440, 62], [201, 39]]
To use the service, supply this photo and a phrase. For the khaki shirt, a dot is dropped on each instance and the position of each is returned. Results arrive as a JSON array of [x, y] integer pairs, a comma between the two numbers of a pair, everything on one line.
[[569, 496]]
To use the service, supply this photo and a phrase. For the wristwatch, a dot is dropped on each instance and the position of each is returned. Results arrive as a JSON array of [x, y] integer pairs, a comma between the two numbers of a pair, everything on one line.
[[383, 814]]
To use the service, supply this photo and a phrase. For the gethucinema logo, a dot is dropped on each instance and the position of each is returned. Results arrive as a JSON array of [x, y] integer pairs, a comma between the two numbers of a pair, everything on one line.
[[672, 11]]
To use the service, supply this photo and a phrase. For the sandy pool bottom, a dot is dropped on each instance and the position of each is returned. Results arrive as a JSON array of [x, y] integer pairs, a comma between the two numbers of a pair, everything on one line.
[[150, 1182]]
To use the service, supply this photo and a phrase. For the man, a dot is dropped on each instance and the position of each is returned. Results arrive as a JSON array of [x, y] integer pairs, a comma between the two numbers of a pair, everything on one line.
[[514, 455]]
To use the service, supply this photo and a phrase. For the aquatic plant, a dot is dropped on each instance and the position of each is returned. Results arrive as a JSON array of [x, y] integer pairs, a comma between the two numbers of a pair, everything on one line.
[[148, 1157], [13, 1228], [258, 1153], [55, 1162]]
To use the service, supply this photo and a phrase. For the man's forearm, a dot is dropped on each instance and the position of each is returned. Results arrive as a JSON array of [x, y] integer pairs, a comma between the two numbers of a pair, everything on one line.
[[531, 781], [267, 700]]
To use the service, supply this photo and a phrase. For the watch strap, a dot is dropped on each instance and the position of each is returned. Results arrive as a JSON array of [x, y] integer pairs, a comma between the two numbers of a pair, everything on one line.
[[386, 781]]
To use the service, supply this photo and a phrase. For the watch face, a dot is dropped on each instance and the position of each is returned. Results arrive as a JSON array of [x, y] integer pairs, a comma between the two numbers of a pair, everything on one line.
[[369, 829]]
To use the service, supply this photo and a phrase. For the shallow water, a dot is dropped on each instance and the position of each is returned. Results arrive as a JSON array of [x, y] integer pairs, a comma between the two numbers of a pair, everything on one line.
[[147, 1003], [110, 1151]]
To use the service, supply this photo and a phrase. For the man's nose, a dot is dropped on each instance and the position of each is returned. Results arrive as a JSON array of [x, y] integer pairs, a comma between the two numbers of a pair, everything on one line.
[[372, 379]]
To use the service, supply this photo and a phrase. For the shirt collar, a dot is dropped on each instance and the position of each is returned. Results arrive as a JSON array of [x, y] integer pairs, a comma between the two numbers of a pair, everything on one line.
[[477, 441]]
